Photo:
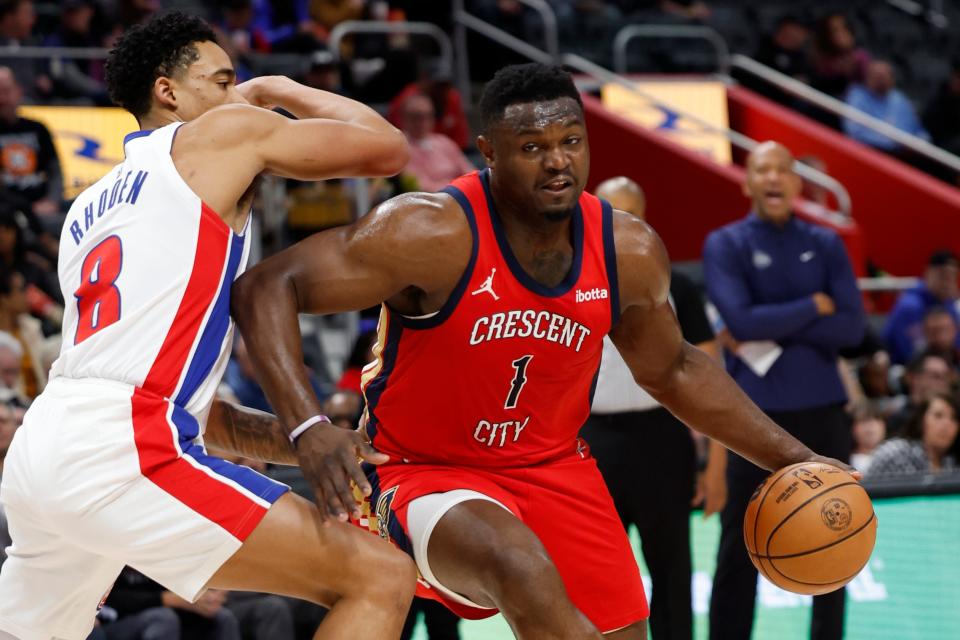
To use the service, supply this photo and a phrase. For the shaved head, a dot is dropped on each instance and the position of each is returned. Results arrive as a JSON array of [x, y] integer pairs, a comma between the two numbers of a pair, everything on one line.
[[771, 183], [623, 194], [769, 146]]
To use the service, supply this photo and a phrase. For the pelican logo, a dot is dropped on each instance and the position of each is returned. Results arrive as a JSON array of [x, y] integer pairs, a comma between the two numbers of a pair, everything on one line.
[[808, 478], [836, 514], [383, 512]]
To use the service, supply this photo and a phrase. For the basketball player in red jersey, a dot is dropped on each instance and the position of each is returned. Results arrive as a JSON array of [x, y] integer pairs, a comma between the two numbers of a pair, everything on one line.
[[497, 293]]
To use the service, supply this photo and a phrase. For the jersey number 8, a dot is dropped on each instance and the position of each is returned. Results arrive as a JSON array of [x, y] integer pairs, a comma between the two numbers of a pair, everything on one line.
[[98, 299]]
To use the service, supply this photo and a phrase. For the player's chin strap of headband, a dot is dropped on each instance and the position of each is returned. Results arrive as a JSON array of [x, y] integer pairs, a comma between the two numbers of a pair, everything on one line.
[[306, 424]]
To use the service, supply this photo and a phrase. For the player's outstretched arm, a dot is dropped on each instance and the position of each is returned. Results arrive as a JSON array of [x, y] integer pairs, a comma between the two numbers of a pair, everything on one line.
[[249, 433], [333, 136], [402, 246], [688, 382], [220, 153]]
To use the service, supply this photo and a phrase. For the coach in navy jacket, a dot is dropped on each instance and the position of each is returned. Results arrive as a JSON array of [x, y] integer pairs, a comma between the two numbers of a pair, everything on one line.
[[776, 278]]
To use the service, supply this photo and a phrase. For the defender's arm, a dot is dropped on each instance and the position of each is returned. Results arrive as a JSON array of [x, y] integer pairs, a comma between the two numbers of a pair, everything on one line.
[[246, 432]]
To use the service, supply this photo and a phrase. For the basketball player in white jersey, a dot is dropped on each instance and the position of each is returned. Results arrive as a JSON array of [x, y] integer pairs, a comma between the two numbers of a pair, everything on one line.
[[110, 467]]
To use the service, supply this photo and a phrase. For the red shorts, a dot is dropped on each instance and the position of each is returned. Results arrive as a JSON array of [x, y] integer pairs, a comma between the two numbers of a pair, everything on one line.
[[565, 503]]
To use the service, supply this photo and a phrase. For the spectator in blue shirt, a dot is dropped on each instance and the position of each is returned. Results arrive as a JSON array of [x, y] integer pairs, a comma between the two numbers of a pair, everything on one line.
[[878, 97], [903, 332], [775, 278]]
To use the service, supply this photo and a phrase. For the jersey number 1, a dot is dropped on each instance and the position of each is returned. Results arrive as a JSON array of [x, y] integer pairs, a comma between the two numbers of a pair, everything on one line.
[[520, 379], [98, 299]]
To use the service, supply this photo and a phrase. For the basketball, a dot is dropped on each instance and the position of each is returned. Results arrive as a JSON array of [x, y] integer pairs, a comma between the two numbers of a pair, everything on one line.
[[810, 528]]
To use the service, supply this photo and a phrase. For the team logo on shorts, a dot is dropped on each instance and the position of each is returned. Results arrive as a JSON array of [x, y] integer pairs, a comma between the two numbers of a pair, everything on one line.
[[383, 512], [836, 514]]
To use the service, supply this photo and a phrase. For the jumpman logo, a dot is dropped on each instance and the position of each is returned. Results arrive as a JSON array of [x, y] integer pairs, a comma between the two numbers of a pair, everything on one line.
[[487, 286]]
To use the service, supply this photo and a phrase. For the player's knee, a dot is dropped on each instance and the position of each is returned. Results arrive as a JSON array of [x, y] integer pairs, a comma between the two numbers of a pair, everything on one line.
[[403, 572], [396, 572]]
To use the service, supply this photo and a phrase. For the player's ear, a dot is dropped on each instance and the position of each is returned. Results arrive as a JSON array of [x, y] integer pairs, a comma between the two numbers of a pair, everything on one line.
[[164, 93], [486, 148]]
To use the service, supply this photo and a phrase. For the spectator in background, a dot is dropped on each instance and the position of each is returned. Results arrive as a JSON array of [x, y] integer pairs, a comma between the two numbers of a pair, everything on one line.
[[147, 611], [877, 96], [837, 60], [72, 79], [29, 166], [903, 331], [880, 393], [927, 375], [869, 430], [436, 83], [323, 73], [940, 335], [942, 115], [787, 51], [240, 30], [926, 444], [17, 18], [639, 443], [38, 270], [16, 321], [787, 285], [435, 160]]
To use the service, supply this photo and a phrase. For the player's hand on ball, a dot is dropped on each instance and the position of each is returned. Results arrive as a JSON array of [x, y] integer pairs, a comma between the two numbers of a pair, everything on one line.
[[330, 459], [843, 465]]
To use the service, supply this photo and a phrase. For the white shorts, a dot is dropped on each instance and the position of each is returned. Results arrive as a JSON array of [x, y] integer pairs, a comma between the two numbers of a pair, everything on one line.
[[103, 475]]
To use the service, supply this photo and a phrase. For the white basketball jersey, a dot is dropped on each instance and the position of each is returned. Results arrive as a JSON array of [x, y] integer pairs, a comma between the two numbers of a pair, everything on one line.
[[146, 268]]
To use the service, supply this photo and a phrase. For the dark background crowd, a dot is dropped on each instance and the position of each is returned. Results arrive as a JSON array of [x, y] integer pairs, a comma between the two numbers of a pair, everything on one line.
[[900, 382]]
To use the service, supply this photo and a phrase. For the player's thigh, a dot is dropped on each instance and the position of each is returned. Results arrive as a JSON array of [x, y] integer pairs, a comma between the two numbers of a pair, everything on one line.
[[478, 547], [291, 552]]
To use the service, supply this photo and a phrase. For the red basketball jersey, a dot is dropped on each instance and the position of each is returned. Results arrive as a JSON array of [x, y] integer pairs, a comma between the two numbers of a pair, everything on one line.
[[503, 374]]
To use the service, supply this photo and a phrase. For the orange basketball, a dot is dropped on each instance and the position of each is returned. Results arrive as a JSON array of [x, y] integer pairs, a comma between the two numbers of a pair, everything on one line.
[[810, 528]]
